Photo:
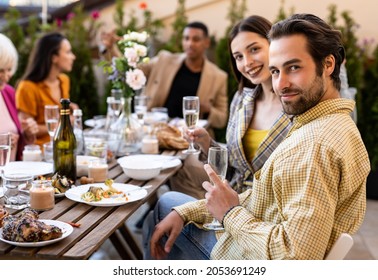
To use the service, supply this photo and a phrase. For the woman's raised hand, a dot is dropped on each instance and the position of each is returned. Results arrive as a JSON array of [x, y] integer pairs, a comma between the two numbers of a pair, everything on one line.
[[199, 136], [30, 129]]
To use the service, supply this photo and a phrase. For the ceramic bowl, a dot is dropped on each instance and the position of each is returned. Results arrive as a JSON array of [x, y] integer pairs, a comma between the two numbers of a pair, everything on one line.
[[141, 170]]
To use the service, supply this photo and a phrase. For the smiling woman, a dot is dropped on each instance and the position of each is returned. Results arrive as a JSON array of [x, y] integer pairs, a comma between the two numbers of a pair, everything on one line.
[[44, 82]]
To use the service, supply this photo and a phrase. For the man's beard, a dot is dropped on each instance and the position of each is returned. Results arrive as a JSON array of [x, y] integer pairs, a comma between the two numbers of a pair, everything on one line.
[[308, 98]]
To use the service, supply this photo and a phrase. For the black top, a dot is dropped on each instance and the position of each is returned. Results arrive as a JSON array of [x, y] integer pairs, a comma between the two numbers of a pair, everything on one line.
[[185, 83]]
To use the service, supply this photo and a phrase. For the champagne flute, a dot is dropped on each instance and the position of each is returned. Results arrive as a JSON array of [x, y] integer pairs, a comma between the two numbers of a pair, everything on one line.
[[140, 107], [190, 111], [52, 115], [117, 105], [117, 102], [5, 151], [218, 160]]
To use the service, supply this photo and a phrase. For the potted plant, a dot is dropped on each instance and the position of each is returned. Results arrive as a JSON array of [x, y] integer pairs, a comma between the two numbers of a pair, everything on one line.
[[368, 121]]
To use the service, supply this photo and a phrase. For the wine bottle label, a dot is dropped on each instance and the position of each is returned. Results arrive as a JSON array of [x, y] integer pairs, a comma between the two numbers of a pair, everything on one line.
[[63, 145]]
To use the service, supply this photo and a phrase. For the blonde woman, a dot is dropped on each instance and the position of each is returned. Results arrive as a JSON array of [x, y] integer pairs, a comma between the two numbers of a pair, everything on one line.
[[22, 132]]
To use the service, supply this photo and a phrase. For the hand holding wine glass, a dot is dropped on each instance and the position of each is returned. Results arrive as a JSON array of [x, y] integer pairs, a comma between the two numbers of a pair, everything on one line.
[[218, 160], [52, 115], [190, 110]]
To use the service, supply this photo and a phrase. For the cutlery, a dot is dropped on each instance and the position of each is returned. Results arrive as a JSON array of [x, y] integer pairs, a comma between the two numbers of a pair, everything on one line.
[[140, 188]]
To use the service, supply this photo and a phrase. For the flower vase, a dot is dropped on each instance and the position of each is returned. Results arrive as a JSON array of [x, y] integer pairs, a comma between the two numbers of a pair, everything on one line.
[[128, 130]]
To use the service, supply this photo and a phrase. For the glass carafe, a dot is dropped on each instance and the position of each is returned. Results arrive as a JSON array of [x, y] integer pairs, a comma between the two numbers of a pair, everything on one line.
[[127, 130]]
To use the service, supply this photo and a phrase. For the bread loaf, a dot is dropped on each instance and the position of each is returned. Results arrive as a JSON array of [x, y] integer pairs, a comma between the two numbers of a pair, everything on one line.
[[170, 137]]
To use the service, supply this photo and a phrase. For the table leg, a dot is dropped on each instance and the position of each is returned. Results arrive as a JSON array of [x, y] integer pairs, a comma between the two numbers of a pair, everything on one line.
[[131, 242], [117, 243]]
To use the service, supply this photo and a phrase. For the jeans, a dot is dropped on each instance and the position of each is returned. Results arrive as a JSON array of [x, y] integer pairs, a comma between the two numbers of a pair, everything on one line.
[[192, 244]]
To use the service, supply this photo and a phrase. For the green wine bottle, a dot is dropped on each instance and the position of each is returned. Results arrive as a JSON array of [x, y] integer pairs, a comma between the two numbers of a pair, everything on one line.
[[65, 144]]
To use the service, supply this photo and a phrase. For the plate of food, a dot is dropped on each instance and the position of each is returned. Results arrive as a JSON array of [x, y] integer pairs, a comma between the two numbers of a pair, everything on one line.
[[52, 230], [166, 161], [106, 194]]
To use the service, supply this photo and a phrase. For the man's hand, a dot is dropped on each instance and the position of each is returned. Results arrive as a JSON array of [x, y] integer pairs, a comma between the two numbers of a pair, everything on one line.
[[108, 39], [108, 46], [219, 197], [171, 226]]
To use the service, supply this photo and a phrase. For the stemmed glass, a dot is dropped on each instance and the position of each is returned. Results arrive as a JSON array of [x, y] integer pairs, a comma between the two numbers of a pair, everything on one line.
[[218, 160], [5, 148], [5, 151], [140, 107], [190, 110], [117, 102], [51, 118], [117, 105]]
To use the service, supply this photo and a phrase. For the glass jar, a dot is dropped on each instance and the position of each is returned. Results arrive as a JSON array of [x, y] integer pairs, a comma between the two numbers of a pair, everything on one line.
[[150, 144], [42, 195], [32, 153], [98, 170]]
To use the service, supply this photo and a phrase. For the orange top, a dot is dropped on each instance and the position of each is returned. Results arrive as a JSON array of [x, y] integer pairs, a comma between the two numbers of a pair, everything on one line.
[[32, 97]]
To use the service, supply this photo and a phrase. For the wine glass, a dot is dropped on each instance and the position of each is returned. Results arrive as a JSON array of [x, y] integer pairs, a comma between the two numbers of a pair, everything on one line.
[[5, 151], [190, 111], [140, 107], [117, 105], [51, 119], [218, 160], [117, 102]]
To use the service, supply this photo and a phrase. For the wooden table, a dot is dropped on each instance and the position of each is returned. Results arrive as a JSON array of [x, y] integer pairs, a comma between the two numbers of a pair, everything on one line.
[[96, 224]]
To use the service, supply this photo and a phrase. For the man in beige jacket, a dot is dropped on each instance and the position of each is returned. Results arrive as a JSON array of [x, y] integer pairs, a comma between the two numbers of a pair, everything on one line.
[[171, 76]]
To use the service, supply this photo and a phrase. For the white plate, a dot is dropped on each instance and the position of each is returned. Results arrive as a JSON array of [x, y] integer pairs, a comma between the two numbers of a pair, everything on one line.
[[66, 228], [35, 168], [152, 117], [91, 122], [133, 193], [166, 161], [1, 192]]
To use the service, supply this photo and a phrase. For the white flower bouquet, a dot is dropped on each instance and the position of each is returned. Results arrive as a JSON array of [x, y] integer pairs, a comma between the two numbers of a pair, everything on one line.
[[123, 72]]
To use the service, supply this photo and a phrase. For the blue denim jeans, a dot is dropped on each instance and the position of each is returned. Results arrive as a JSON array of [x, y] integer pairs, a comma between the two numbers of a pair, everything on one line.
[[192, 244]]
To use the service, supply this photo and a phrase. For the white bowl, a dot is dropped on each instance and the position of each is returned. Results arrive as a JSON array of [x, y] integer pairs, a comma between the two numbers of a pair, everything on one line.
[[141, 170], [82, 165]]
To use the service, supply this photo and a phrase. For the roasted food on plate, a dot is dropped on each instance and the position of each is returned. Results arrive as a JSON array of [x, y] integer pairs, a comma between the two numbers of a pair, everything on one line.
[[61, 183], [3, 214], [25, 227]]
